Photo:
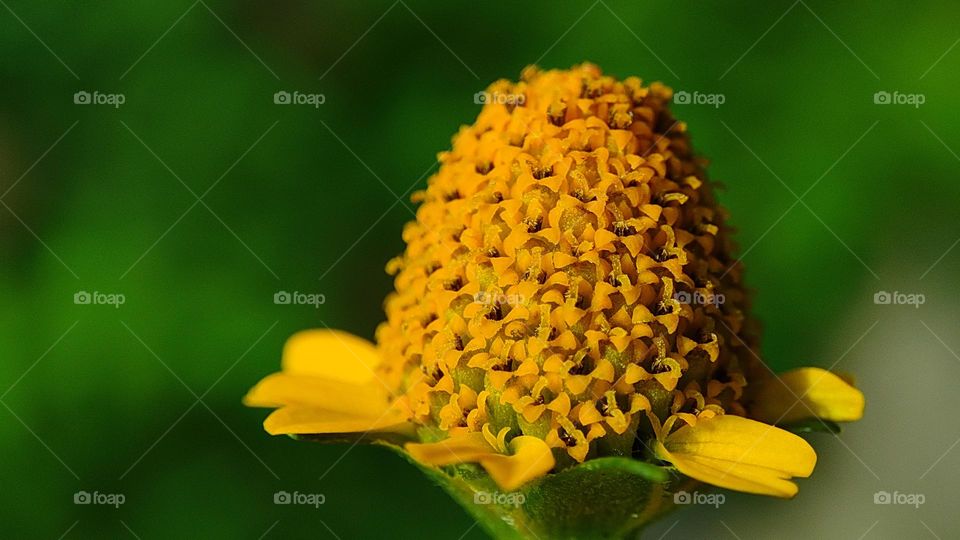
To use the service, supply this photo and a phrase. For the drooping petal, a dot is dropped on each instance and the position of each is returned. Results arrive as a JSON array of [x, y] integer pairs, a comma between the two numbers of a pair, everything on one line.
[[531, 457], [331, 354], [302, 420], [466, 448], [739, 453], [805, 393], [281, 389]]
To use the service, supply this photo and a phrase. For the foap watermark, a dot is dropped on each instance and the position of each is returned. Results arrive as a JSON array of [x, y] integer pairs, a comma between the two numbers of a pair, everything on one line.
[[503, 499], [906, 499], [297, 298], [487, 299], [707, 499], [298, 98], [484, 97], [698, 298], [97, 298], [297, 498], [897, 98], [897, 298], [699, 98], [115, 500], [97, 98]]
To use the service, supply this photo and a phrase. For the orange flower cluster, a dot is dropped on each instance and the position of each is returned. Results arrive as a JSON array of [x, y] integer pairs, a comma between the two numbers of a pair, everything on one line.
[[568, 276]]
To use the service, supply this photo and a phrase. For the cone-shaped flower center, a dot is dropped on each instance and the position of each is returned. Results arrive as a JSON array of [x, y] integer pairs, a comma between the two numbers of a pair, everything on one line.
[[568, 275]]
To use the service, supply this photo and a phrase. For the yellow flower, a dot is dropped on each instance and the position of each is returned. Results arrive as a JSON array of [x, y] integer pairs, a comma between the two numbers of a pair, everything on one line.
[[567, 294]]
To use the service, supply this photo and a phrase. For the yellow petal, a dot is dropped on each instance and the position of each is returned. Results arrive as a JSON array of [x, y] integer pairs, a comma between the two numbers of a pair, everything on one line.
[[746, 478], [282, 389], [298, 419], [739, 453], [466, 448], [805, 393], [531, 459], [331, 354]]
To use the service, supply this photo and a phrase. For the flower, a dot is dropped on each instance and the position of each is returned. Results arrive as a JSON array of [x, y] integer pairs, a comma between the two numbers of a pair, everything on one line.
[[567, 295]]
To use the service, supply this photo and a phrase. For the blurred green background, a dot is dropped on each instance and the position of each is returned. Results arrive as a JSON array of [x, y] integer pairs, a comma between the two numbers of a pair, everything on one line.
[[199, 198]]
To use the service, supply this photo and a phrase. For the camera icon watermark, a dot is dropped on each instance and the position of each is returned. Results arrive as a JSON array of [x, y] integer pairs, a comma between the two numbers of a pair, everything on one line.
[[84, 298], [707, 499], [896, 98], [699, 98], [897, 298], [96, 98], [489, 299], [297, 298], [298, 98], [495, 497], [484, 97], [115, 500], [698, 298], [301, 499], [906, 499]]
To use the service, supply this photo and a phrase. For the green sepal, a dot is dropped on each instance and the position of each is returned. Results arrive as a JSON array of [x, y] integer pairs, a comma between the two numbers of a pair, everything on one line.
[[388, 438], [812, 425], [612, 497]]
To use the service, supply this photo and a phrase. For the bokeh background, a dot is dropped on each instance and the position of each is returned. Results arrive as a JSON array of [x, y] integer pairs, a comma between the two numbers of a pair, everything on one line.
[[199, 198]]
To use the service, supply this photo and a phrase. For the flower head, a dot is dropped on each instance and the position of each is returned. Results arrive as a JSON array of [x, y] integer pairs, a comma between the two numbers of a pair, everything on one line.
[[568, 293]]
